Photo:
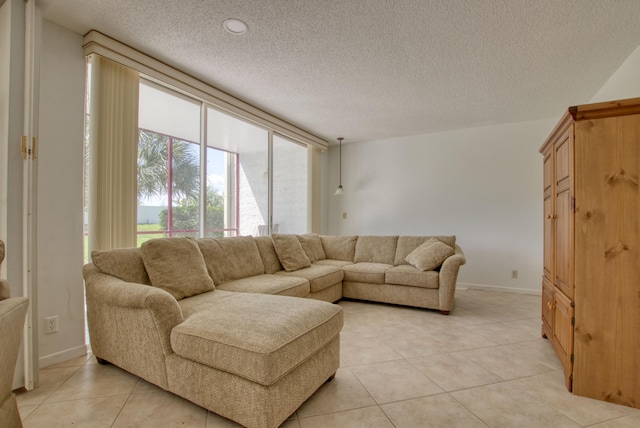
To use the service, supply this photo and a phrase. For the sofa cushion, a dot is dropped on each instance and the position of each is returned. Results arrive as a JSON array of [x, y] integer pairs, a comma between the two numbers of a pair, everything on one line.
[[430, 255], [331, 262], [319, 276], [268, 254], [123, 263], [229, 259], [312, 246], [257, 336], [414, 277], [366, 272], [290, 252], [176, 265], [269, 284], [339, 247], [406, 244], [376, 249]]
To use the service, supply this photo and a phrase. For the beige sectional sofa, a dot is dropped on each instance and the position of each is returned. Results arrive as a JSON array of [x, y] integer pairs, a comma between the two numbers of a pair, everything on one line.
[[221, 322]]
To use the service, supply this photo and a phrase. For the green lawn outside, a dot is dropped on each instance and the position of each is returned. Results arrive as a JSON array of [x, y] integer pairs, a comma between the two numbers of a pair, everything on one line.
[[149, 228]]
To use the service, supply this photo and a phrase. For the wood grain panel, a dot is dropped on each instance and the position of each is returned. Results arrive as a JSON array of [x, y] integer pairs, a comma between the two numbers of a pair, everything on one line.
[[607, 260], [563, 333], [547, 308]]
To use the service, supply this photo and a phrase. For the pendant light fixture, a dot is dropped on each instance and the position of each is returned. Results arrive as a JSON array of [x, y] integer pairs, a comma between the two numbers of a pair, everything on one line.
[[339, 190]]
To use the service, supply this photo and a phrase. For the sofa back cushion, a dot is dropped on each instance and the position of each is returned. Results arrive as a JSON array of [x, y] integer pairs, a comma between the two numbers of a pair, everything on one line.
[[406, 244], [176, 265], [229, 259], [312, 246], [290, 252], [123, 263], [376, 249], [268, 254], [339, 247], [430, 255]]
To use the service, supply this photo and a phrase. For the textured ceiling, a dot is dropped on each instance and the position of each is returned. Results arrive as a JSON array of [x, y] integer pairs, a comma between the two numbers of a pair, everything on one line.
[[373, 69]]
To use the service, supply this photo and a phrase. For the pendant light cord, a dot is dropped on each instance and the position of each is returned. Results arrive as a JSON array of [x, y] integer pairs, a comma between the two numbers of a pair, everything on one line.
[[340, 171]]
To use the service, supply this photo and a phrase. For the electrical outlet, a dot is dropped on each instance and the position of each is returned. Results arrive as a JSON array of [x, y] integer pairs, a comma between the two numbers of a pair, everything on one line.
[[51, 325], [514, 274]]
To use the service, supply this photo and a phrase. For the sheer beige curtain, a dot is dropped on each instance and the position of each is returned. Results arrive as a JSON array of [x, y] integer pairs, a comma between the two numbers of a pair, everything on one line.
[[113, 152]]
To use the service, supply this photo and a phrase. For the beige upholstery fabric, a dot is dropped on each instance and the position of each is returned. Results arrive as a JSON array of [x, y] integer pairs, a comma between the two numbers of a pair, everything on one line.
[[176, 265], [229, 259], [249, 403], [429, 255], [312, 246], [290, 252], [331, 294], [411, 276], [407, 244], [268, 254], [339, 247], [366, 272], [391, 293], [12, 316], [202, 302], [256, 336], [376, 249], [319, 276], [448, 278], [331, 262], [269, 284], [5, 290], [123, 263], [147, 315]]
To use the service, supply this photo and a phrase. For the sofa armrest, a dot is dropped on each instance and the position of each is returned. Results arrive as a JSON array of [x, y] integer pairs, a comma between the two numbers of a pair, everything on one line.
[[130, 324], [448, 278]]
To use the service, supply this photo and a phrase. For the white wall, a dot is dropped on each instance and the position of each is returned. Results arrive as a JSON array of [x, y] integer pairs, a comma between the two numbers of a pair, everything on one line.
[[481, 184], [60, 194], [624, 83]]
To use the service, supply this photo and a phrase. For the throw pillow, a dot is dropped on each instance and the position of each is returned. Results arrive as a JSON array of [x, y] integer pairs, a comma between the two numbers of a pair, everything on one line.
[[268, 254], [312, 246], [430, 255], [290, 252], [123, 263], [176, 265], [406, 244]]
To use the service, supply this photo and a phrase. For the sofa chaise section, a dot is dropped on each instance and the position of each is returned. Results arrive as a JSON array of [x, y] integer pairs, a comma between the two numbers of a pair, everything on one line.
[[270, 361]]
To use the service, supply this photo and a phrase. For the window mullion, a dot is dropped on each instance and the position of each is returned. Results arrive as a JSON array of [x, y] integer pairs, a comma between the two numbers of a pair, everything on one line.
[[203, 170], [270, 183]]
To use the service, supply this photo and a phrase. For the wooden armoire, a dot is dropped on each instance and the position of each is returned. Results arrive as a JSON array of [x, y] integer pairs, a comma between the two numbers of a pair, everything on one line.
[[591, 273]]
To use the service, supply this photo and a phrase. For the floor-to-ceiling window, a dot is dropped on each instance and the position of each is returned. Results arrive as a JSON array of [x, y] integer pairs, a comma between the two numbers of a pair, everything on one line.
[[168, 164], [228, 186]]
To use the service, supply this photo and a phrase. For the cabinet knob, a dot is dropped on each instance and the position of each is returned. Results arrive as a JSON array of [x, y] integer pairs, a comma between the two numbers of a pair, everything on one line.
[[551, 216]]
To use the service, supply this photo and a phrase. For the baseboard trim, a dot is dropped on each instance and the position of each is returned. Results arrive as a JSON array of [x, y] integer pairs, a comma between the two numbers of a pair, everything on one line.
[[500, 289], [59, 357]]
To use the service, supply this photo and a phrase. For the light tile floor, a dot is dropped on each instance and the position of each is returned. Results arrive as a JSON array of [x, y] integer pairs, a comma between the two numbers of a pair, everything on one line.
[[485, 365]]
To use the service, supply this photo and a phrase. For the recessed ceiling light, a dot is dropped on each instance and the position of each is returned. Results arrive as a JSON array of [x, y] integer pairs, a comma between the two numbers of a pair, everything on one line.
[[235, 26]]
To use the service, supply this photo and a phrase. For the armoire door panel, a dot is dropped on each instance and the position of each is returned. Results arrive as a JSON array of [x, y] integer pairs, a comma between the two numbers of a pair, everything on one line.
[[608, 260]]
